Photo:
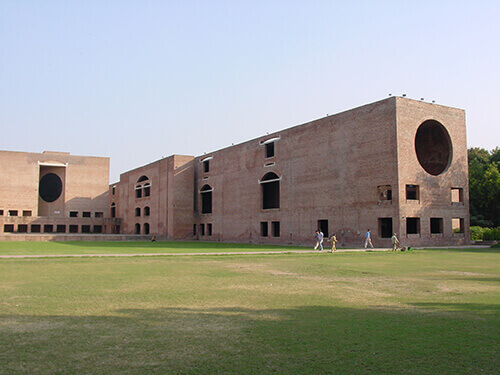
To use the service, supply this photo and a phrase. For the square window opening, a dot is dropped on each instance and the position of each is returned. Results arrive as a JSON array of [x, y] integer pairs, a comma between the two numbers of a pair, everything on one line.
[[73, 214], [36, 228], [12, 213], [73, 229], [384, 192], [412, 192], [48, 228], [86, 214], [99, 214], [85, 228], [27, 213], [457, 195], [8, 228], [385, 227], [457, 225], [436, 225], [412, 225], [61, 228], [22, 228]]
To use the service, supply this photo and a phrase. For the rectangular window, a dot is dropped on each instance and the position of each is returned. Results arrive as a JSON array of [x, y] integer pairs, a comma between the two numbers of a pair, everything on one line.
[[269, 150], [8, 228], [194, 229], [275, 226], [73, 214], [384, 192], [138, 193], [22, 228], [264, 229], [457, 195], [206, 166], [61, 229], [323, 227], [86, 214], [202, 229], [457, 225], [73, 229], [436, 225], [385, 227], [85, 228], [147, 191], [209, 229], [113, 190], [36, 228], [99, 214], [48, 228], [97, 229], [412, 192], [1, 212], [12, 213], [27, 213], [412, 225]]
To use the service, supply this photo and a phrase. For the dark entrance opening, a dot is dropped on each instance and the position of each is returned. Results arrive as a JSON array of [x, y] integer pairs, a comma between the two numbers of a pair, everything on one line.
[[206, 199], [270, 191], [137, 228], [323, 226], [385, 227]]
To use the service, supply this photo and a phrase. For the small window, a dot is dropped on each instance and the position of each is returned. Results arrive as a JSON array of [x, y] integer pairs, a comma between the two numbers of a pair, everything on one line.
[[194, 229], [264, 231], [146, 228], [137, 228], [146, 211], [113, 190], [85, 228], [12, 213], [48, 228], [113, 210], [384, 192], [73, 229], [206, 166], [457, 195], [269, 149], [209, 229], [412, 192], [412, 225], [73, 214], [436, 225], [385, 227], [27, 213], [137, 212], [8, 228], [275, 226], [138, 192], [202, 229], [457, 225], [22, 228], [36, 228], [86, 214], [1, 212], [147, 190], [60, 228], [99, 214], [97, 229]]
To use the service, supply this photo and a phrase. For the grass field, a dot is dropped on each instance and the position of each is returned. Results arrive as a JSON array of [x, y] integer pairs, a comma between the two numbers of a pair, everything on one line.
[[421, 312]]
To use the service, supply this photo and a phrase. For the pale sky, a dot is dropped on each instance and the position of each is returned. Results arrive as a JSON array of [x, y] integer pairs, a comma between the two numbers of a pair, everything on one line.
[[139, 80]]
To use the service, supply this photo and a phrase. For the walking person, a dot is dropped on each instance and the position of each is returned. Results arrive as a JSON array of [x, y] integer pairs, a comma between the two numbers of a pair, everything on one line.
[[368, 239], [319, 240], [333, 241], [395, 242]]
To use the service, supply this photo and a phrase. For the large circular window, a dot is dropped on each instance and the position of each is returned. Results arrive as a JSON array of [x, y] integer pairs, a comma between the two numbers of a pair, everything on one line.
[[50, 187], [433, 147]]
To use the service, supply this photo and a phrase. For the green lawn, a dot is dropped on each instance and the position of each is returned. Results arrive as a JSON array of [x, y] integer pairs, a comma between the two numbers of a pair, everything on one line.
[[131, 247], [421, 312]]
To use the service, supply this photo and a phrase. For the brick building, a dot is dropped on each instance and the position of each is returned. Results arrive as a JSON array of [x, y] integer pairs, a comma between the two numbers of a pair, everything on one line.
[[396, 165]]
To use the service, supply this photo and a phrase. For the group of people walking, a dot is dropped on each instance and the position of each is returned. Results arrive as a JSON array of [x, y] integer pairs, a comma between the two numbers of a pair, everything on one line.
[[319, 236]]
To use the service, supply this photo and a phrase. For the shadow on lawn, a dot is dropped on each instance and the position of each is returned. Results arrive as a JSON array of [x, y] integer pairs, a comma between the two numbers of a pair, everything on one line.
[[302, 340]]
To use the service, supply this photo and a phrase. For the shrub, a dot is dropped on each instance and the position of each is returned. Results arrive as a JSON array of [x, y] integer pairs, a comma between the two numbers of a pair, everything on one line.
[[477, 233], [491, 234]]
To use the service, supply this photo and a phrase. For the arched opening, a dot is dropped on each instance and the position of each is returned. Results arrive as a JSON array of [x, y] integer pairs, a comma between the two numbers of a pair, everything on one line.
[[146, 228], [137, 228], [206, 199], [146, 211], [113, 210], [137, 212], [433, 147], [143, 187], [270, 191], [142, 178]]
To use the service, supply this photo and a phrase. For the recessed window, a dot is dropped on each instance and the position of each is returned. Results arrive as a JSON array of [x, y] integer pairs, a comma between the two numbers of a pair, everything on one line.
[[60, 228], [146, 189], [202, 229], [146, 228], [137, 212], [73, 214], [48, 228], [137, 228], [73, 228], [113, 190], [146, 211], [8, 228], [50, 187], [99, 214], [86, 214], [22, 228], [270, 191], [457, 195], [275, 226], [436, 225], [264, 230], [36, 228], [138, 191], [85, 228], [143, 187], [27, 213], [209, 229], [385, 227], [206, 199], [412, 225], [113, 210], [457, 225], [206, 166], [412, 192], [1, 212], [384, 192], [269, 149], [97, 229], [12, 213], [194, 229]]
